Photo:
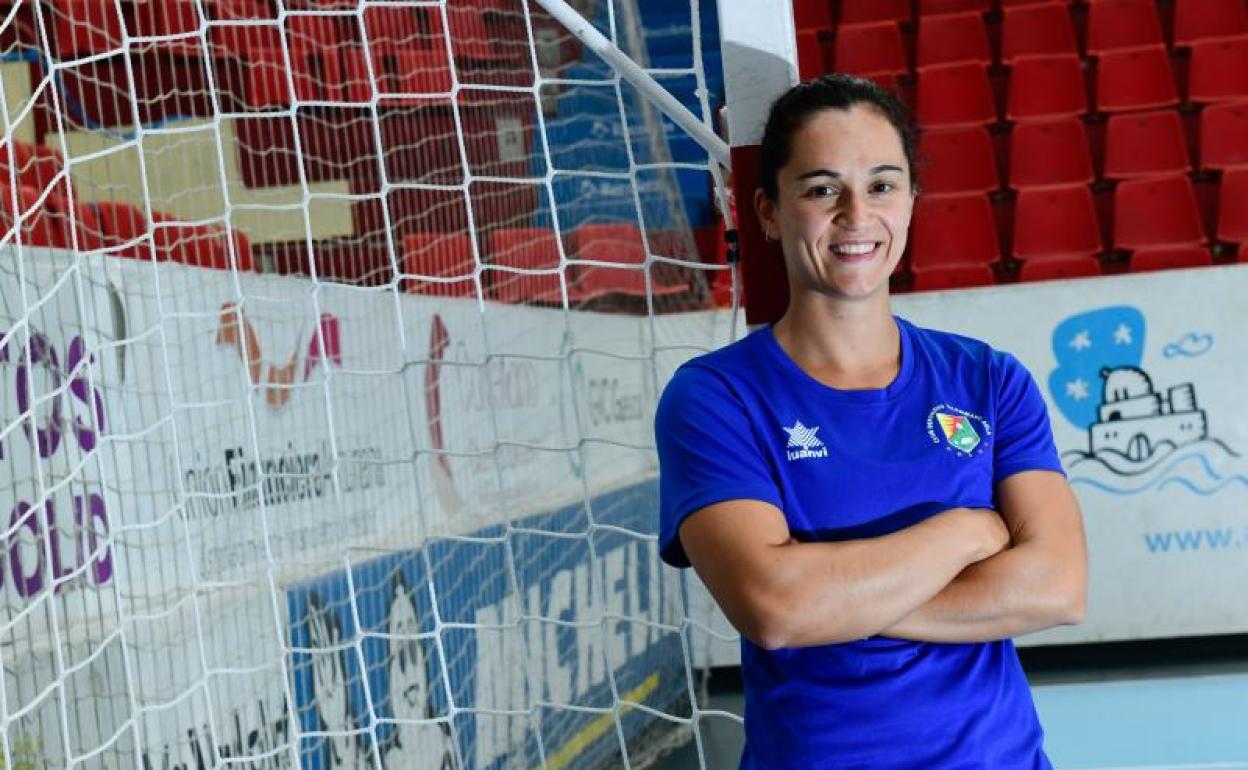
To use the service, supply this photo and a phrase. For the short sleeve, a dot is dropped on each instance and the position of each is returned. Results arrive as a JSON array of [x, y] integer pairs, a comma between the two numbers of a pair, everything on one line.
[[1024, 437], [708, 453]]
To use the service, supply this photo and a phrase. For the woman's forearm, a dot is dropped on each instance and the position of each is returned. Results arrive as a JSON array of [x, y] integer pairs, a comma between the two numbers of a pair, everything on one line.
[[1023, 589], [835, 592]]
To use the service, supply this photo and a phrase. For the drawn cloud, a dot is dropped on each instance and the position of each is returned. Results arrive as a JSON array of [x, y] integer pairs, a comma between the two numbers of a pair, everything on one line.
[[1190, 345]]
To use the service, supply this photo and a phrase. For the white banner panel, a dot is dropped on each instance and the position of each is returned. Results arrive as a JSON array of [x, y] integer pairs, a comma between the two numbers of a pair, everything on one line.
[[190, 456], [1143, 377]]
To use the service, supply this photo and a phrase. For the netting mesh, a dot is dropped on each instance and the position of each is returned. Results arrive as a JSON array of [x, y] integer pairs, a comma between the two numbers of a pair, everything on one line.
[[330, 336]]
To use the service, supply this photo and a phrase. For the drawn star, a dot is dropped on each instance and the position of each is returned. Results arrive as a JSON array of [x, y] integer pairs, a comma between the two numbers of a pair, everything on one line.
[[1081, 341], [1077, 389], [1122, 335]]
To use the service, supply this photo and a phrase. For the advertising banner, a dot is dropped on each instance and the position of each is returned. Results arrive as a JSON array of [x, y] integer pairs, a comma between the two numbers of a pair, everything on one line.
[[211, 477]]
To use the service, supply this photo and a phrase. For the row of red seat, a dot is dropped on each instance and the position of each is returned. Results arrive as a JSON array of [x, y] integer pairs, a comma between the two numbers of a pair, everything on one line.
[[329, 54], [523, 265], [1115, 21], [1056, 152], [880, 48], [954, 237], [1063, 268], [1043, 86], [121, 230]]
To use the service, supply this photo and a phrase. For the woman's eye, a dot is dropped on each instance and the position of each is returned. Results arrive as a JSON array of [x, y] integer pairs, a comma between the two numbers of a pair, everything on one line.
[[821, 191], [883, 187]]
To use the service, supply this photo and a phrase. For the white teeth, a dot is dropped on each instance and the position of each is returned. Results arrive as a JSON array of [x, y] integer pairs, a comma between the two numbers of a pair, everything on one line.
[[854, 249]]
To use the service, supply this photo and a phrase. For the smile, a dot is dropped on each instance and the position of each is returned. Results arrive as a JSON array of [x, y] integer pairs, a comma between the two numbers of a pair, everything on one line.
[[855, 251]]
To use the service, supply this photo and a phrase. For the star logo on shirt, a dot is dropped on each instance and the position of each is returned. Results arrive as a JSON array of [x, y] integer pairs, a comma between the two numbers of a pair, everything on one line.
[[803, 443]]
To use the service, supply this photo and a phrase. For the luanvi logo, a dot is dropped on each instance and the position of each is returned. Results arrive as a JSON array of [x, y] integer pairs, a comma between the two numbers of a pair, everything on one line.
[[803, 443], [236, 330]]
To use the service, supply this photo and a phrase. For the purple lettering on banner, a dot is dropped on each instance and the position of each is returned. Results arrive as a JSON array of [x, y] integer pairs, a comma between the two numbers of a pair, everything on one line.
[[80, 388], [47, 439], [52, 533], [26, 585], [101, 563]]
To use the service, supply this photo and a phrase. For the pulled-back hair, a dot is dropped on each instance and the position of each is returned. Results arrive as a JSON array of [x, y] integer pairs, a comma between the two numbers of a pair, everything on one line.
[[830, 92]]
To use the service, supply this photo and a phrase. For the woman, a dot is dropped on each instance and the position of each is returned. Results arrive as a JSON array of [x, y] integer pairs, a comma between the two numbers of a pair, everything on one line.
[[876, 507]]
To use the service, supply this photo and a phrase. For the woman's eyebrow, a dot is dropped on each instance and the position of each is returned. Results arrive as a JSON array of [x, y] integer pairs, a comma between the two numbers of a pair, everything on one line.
[[837, 175]]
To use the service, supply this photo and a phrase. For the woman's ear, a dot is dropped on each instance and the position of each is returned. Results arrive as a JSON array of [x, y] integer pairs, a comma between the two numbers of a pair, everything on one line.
[[765, 208]]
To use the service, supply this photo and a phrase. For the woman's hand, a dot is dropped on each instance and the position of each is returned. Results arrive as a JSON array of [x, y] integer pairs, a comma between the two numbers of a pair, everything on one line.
[[984, 526]]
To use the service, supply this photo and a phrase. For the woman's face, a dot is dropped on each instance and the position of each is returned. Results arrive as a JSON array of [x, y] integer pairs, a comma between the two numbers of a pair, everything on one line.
[[843, 204]]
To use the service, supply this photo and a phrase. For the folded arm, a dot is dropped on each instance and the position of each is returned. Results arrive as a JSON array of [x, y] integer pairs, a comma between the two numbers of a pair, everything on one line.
[[781, 593], [1037, 582]]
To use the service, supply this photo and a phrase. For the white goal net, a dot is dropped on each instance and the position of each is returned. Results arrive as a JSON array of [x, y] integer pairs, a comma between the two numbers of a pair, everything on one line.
[[330, 336]]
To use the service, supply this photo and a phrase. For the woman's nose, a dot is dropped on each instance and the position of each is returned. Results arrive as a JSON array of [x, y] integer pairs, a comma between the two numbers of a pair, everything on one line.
[[852, 211]]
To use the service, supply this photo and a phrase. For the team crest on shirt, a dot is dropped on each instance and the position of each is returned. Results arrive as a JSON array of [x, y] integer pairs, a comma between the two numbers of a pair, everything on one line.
[[959, 431], [804, 443]]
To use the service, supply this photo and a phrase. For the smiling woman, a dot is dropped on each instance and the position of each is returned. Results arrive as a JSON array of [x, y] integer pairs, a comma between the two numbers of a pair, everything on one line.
[[875, 506]]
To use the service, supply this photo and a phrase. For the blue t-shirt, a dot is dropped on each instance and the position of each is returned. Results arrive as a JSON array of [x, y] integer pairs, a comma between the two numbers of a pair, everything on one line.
[[745, 422]]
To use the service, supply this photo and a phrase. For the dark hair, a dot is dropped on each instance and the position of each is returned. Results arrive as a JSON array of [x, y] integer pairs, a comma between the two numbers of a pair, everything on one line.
[[830, 92]]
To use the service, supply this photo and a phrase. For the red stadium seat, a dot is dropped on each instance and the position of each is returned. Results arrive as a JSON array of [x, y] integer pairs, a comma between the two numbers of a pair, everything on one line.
[[397, 72], [952, 38], [1169, 258], [810, 58], [955, 95], [1156, 212], [85, 27], [812, 14], [1219, 70], [953, 277], [618, 244], [866, 11], [528, 248], [1047, 153], [1224, 135], [266, 76], [1115, 25], [470, 34], [870, 49], [937, 7], [1039, 29], [38, 223], [1199, 19], [314, 32], [1233, 206], [1064, 268], [1016, 3], [1135, 79], [1055, 222], [953, 230], [1044, 87], [199, 245], [958, 160], [439, 255], [118, 227], [176, 19], [1143, 144], [36, 166]]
